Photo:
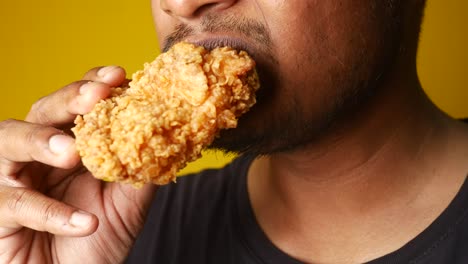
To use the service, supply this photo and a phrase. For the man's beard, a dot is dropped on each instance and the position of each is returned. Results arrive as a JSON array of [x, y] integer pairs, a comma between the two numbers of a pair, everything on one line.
[[291, 125]]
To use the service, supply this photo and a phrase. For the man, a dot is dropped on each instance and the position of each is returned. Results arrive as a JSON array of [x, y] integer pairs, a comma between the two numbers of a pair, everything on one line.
[[345, 159]]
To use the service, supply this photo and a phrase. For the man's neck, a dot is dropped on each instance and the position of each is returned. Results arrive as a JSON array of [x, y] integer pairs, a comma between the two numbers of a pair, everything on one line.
[[347, 193]]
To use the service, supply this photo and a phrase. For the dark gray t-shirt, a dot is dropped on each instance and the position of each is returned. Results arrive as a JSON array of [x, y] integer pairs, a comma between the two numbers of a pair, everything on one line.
[[207, 218]]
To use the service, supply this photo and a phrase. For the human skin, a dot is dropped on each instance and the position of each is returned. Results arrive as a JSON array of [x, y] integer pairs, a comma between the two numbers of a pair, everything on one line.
[[391, 158], [42, 185]]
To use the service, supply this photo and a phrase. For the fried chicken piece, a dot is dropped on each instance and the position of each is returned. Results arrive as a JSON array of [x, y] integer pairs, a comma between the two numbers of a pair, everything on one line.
[[172, 110]]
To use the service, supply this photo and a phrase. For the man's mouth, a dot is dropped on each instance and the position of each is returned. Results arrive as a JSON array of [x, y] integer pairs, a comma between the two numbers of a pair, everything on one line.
[[211, 42], [260, 53]]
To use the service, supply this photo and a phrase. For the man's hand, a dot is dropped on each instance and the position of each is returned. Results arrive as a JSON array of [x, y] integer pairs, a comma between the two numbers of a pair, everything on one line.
[[51, 209]]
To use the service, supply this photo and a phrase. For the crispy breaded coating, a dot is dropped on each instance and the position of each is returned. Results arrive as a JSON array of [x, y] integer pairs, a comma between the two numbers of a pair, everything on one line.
[[172, 110]]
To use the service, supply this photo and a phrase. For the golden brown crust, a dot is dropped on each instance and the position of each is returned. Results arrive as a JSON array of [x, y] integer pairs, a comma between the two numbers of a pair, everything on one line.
[[173, 109]]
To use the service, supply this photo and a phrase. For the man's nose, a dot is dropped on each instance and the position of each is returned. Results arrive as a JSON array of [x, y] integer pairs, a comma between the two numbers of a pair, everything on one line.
[[187, 9]]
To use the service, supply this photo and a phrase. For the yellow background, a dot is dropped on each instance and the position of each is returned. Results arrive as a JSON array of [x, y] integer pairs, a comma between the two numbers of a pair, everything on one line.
[[49, 43]]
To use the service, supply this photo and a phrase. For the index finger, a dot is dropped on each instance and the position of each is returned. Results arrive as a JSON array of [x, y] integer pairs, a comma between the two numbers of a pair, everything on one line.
[[62, 106]]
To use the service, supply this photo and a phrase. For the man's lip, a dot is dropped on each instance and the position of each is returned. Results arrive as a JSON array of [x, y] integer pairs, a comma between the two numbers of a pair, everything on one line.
[[211, 42]]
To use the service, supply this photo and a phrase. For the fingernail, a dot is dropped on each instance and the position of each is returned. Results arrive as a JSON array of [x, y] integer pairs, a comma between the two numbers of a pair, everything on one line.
[[59, 144], [106, 70], [86, 87], [80, 219]]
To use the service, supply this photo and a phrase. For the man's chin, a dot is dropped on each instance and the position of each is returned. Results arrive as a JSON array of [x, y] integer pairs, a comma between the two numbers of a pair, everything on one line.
[[257, 135], [238, 142]]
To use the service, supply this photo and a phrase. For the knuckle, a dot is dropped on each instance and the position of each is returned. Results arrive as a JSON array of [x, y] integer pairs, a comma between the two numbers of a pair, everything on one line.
[[37, 104], [38, 109], [48, 213], [5, 133], [31, 136], [4, 125], [17, 200], [9, 131]]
